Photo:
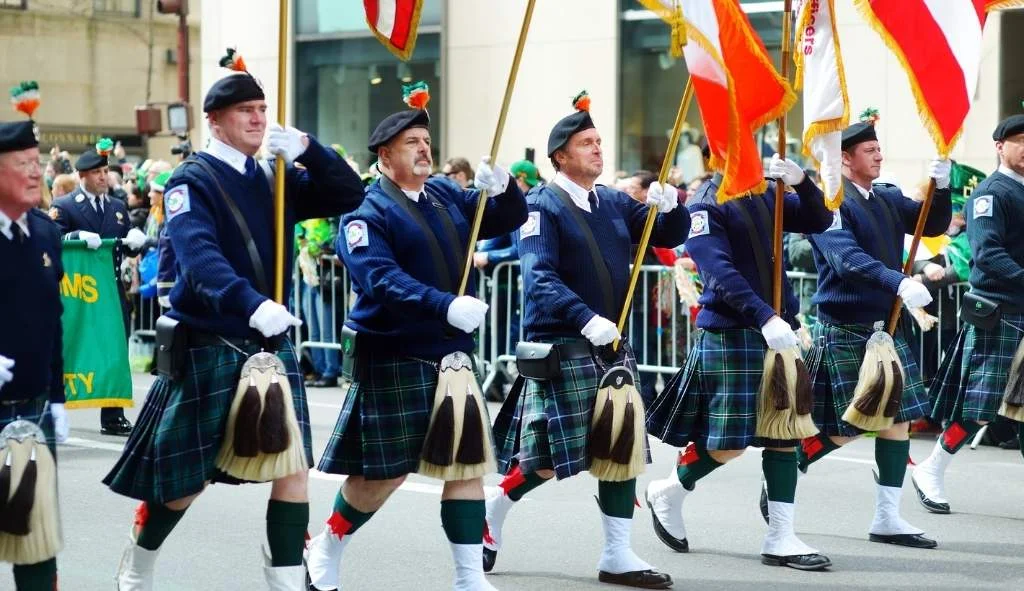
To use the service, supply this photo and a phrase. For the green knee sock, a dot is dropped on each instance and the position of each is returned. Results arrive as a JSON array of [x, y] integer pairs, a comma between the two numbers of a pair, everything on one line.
[[41, 576], [155, 522], [617, 498], [694, 464], [891, 457], [516, 484], [286, 531], [463, 521], [346, 519], [813, 448], [957, 433], [779, 468]]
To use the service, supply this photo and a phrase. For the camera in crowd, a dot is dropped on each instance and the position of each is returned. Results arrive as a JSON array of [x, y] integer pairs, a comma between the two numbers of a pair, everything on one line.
[[183, 149]]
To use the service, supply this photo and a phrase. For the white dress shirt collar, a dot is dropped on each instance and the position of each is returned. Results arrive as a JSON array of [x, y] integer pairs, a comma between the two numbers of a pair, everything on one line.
[[863, 192], [227, 154], [1010, 173], [579, 195], [414, 195], [5, 225]]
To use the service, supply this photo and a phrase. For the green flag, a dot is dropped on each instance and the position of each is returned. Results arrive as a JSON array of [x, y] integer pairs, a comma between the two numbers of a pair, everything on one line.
[[96, 371]]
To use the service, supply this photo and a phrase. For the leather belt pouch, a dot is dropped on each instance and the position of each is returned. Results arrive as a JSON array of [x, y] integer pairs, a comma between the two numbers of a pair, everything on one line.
[[980, 312], [171, 348], [538, 361]]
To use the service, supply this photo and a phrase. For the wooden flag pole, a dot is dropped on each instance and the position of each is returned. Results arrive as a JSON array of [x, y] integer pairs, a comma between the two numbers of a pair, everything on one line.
[[279, 172], [922, 219], [495, 142], [780, 187]]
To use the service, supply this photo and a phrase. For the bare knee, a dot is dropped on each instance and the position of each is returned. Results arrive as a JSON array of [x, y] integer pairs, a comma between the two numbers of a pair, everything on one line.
[[898, 432], [724, 455], [182, 503], [293, 488], [545, 474], [468, 490], [369, 495]]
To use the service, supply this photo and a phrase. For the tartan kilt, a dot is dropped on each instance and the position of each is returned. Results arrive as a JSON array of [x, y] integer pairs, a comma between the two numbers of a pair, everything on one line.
[[171, 452], [712, 400], [36, 411], [551, 426], [836, 377], [974, 371], [382, 425]]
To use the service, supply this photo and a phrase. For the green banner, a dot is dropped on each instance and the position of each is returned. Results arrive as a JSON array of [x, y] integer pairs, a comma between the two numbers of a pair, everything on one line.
[[96, 371]]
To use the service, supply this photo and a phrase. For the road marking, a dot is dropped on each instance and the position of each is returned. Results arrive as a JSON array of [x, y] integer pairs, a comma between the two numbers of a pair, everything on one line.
[[90, 444], [407, 486]]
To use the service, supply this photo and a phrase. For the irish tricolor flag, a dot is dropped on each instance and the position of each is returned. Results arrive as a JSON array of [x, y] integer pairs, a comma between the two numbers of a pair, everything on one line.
[[394, 23], [938, 42]]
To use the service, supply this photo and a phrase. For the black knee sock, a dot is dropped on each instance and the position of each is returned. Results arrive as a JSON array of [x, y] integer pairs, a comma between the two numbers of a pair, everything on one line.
[[41, 576], [154, 523], [286, 531]]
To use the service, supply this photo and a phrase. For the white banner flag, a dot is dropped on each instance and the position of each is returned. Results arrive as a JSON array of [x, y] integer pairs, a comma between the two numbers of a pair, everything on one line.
[[819, 71]]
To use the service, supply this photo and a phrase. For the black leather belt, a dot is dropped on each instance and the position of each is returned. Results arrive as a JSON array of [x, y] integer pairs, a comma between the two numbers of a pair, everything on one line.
[[205, 339], [578, 349]]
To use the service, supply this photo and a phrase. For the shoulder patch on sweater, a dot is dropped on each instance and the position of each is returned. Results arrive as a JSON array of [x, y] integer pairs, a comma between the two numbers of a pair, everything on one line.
[[983, 206], [837, 221], [177, 202], [531, 227], [699, 224], [356, 235]]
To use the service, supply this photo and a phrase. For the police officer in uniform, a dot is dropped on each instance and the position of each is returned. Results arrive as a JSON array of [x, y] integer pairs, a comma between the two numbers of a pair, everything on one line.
[[859, 260], [31, 359], [979, 361], [567, 305], [89, 213], [405, 250], [714, 408], [226, 316]]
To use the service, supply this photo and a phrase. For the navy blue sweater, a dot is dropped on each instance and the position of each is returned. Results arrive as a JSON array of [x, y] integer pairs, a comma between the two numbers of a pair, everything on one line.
[[216, 286], [859, 267], [562, 292], [401, 305], [721, 244], [995, 229], [30, 275]]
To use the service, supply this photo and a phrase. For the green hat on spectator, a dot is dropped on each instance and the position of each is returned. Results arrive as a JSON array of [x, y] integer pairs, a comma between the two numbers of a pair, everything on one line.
[[160, 182], [962, 180], [527, 171]]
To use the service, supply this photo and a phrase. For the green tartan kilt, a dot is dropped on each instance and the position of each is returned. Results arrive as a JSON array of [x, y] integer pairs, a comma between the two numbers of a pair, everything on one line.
[[170, 453], [35, 411], [974, 371], [836, 377], [551, 426], [382, 425], [712, 400]]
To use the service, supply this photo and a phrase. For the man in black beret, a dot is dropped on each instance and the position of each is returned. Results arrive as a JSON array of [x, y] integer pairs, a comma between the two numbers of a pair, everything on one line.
[[31, 358], [969, 390], [223, 304]]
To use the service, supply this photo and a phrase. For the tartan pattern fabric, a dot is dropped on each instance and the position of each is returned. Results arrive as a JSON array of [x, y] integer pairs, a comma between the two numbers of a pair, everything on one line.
[[973, 375], [712, 400], [551, 428], [384, 420], [836, 378], [170, 453], [32, 411]]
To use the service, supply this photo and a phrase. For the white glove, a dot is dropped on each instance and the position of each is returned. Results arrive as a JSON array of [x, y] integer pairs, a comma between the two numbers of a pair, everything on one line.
[[466, 313], [164, 301], [92, 239], [600, 331], [271, 319], [6, 364], [135, 239], [60, 422], [779, 335], [287, 142], [493, 179], [787, 170], [939, 170], [914, 294], [664, 197]]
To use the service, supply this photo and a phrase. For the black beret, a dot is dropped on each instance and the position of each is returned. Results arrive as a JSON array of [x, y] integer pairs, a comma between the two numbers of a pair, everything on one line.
[[231, 90], [858, 133], [395, 124], [18, 135], [90, 160], [569, 126], [1012, 125]]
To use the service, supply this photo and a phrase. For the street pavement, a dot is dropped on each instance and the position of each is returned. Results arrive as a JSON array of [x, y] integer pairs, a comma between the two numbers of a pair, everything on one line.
[[553, 537]]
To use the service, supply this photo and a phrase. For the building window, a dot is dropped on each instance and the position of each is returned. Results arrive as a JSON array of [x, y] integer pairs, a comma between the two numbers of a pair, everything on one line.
[[15, 4], [130, 8]]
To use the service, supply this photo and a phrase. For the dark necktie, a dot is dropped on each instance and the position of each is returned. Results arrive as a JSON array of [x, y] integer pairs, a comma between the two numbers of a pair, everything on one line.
[[17, 232], [97, 205], [250, 167], [592, 198]]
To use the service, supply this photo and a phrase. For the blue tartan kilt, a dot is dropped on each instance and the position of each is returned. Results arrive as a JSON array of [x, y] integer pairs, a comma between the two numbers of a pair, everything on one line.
[[171, 452], [712, 400], [973, 375], [837, 375], [35, 411], [382, 425], [550, 427]]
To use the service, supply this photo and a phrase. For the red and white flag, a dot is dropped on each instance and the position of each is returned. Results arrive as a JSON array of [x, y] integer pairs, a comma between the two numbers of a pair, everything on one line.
[[938, 42], [394, 23], [819, 69]]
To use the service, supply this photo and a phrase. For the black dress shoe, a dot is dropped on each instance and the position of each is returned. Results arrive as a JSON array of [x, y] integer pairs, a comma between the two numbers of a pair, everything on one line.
[[799, 562], [312, 380], [908, 540], [933, 506], [679, 545], [643, 579], [764, 502], [490, 556], [118, 426], [324, 383]]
